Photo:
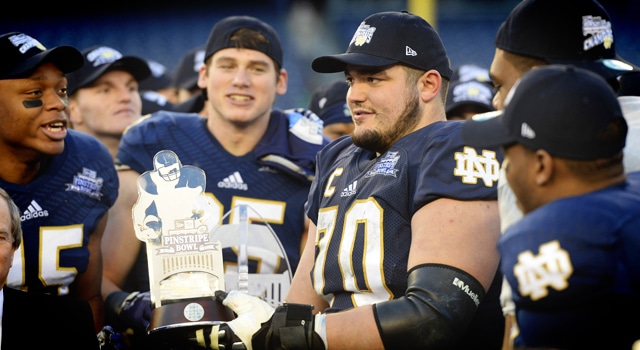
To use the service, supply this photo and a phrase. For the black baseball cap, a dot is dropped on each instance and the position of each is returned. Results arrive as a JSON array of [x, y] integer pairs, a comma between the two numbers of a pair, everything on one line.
[[388, 38], [188, 70], [221, 33], [159, 79], [562, 109], [576, 32], [329, 102], [102, 59], [22, 54]]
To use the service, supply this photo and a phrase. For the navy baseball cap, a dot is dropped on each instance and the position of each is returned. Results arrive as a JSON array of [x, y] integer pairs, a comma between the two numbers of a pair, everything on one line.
[[576, 32], [562, 109], [471, 71], [388, 38], [221, 37], [186, 75], [22, 54], [329, 102], [102, 59], [474, 93]]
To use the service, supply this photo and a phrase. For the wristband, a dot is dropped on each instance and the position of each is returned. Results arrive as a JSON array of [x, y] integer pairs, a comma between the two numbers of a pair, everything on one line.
[[292, 326]]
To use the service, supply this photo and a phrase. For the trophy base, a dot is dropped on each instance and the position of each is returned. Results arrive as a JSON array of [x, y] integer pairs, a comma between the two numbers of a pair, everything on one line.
[[189, 313]]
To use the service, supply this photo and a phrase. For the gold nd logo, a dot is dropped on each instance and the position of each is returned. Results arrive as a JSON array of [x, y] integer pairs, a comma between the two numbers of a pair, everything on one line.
[[536, 273], [471, 166]]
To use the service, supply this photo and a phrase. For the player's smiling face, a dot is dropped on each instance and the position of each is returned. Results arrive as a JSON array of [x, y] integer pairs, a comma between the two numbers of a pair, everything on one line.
[[34, 112], [385, 106], [242, 85]]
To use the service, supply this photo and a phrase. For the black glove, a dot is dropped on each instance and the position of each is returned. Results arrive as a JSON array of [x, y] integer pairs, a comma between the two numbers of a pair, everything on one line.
[[290, 327], [132, 310]]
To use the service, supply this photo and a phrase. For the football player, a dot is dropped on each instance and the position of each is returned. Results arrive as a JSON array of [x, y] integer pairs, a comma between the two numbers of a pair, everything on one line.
[[62, 180]]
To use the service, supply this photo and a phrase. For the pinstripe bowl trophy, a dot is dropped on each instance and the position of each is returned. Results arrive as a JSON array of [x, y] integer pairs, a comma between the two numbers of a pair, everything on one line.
[[195, 250]]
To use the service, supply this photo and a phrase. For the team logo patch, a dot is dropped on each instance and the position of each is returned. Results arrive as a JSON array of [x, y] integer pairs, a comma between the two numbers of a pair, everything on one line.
[[471, 166], [103, 55], [536, 274], [363, 34], [385, 166], [24, 42], [599, 32], [87, 183]]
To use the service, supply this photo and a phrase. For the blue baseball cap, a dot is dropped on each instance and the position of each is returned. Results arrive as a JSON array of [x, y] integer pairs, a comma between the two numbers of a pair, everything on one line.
[[102, 59]]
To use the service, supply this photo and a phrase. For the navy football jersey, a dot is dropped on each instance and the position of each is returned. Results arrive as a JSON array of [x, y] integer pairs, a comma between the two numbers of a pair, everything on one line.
[[60, 209], [278, 196], [362, 206], [574, 268]]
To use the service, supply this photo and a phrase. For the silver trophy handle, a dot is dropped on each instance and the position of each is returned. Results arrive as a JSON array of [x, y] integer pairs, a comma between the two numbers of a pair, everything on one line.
[[243, 258]]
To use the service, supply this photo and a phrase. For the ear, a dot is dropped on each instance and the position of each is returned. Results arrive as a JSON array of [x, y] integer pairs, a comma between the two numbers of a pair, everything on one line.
[[281, 84], [13, 250], [74, 112], [544, 167], [429, 85], [202, 76]]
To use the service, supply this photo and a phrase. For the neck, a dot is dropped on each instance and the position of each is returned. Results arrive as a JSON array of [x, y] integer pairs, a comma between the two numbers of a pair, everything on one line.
[[19, 171], [238, 138]]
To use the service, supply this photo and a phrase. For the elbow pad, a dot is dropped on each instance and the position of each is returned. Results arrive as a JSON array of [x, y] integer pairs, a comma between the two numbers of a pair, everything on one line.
[[438, 305]]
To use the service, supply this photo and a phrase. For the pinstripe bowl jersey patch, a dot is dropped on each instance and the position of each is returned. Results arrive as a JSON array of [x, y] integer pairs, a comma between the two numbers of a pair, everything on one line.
[[87, 183], [386, 165]]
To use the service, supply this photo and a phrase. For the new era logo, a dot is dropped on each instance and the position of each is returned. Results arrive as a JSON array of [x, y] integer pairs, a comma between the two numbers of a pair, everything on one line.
[[527, 131], [410, 52], [233, 181], [34, 210]]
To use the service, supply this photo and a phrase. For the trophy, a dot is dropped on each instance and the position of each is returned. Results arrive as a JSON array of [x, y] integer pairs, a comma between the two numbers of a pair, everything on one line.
[[193, 250], [175, 217]]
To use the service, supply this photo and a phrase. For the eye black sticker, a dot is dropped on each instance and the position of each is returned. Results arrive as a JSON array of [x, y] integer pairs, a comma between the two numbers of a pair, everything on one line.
[[32, 103]]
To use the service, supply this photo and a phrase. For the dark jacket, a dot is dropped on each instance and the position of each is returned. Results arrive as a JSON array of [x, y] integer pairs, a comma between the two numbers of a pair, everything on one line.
[[40, 321]]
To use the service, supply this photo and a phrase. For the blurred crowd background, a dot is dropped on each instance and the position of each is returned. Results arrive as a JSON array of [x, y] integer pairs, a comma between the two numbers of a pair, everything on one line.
[[165, 31]]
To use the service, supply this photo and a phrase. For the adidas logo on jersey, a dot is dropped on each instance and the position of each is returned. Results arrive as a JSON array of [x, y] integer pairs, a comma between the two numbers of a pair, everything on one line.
[[234, 182], [349, 190], [33, 211]]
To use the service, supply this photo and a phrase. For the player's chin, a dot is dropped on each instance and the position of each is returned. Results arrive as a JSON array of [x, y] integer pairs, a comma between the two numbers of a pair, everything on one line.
[[50, 147]]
